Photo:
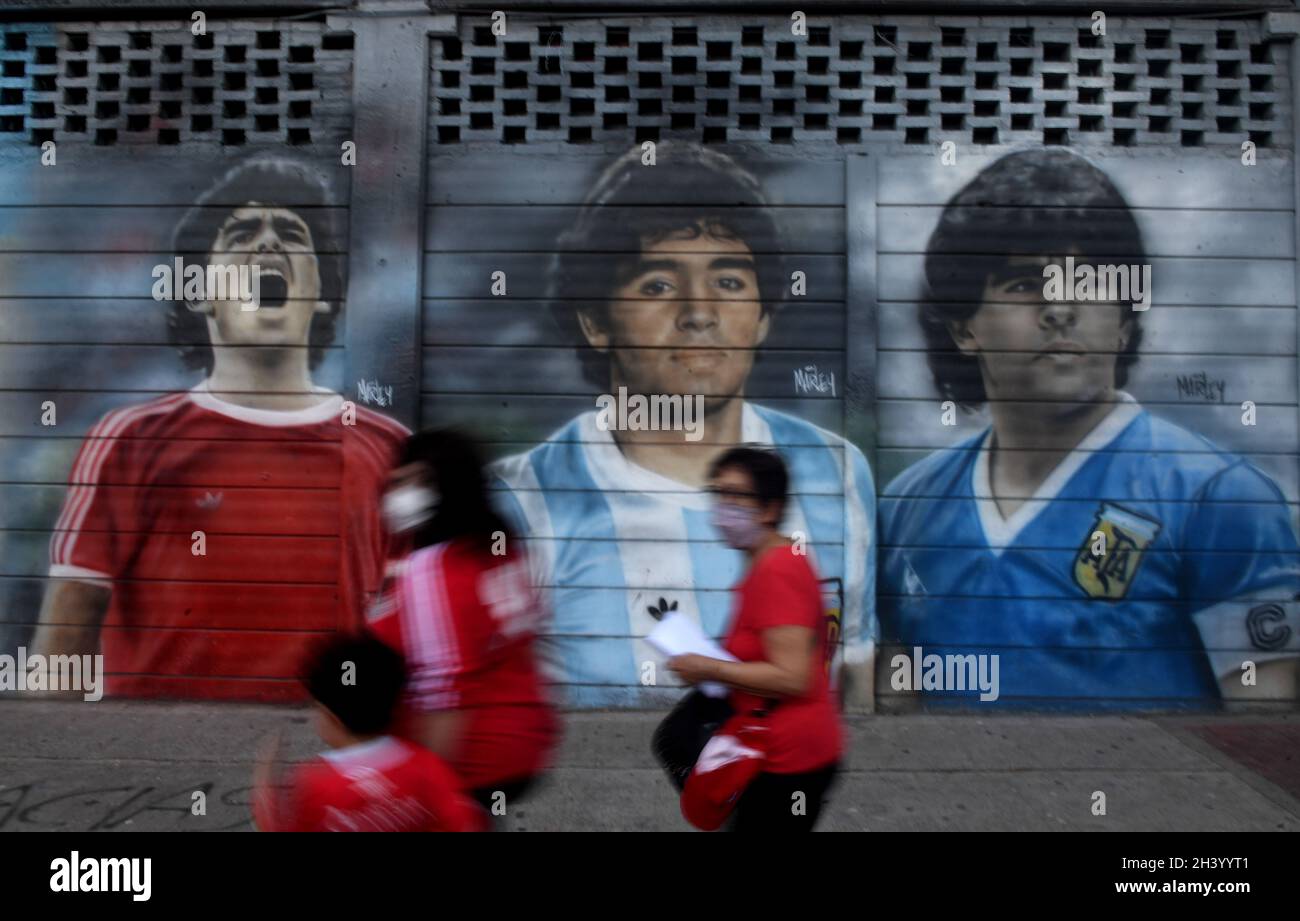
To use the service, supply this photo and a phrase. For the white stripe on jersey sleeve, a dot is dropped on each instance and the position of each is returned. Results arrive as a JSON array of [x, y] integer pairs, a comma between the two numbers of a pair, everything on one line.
[[428, 630], [81, 574]]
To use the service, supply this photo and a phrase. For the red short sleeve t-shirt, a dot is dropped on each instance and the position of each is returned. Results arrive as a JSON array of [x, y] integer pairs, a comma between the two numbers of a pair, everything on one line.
[[385, 784], [781, 589], [287, 504], [467, 623]]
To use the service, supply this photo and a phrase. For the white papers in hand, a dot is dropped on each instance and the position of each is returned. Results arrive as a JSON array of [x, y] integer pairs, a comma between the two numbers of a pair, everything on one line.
[[677, 635]]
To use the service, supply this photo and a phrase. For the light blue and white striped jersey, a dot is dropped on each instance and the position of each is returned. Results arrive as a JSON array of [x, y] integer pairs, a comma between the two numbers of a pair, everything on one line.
[[615, 545]]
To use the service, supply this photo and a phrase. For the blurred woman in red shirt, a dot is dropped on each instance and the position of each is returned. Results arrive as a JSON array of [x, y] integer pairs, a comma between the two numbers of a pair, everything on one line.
[[462, 609], [778, 634]]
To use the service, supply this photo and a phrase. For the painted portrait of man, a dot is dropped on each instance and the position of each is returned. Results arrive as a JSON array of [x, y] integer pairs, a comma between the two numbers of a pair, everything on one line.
[[687, 293], [1108, 556], [207, 536]]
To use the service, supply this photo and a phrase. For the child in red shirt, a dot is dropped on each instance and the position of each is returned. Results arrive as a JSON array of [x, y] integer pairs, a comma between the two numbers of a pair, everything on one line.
[[369, 781]]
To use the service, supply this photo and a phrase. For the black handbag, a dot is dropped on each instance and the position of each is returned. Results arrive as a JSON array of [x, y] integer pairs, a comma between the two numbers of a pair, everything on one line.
[[683, 733], [679, 739]]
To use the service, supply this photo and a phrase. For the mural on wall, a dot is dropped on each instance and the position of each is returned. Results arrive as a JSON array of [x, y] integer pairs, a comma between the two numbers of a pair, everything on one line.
[[1104, 555], [667, 285], [209, 535], [1092, 493]]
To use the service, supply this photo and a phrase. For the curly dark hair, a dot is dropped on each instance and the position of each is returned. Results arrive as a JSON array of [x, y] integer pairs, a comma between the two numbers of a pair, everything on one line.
[[277, 181], [1029, 203], [689, 186]]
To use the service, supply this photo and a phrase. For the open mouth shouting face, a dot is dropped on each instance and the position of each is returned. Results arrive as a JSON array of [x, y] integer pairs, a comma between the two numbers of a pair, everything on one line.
[[277, 245]]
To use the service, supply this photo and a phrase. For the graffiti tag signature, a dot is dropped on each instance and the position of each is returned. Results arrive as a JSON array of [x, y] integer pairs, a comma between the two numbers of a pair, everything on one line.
[[375, 394], [1201, 386], [810, 380]]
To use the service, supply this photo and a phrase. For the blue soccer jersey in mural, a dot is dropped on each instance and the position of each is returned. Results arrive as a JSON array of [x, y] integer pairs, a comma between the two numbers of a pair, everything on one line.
[[1199, 569], [617, 546]]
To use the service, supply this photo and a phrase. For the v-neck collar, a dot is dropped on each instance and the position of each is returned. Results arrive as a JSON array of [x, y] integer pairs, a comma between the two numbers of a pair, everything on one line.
[[999, 532]]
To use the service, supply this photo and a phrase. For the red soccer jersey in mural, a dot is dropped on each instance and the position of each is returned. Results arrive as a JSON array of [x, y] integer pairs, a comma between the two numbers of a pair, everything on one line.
[[230, 537], [467, 622], [385, 784]]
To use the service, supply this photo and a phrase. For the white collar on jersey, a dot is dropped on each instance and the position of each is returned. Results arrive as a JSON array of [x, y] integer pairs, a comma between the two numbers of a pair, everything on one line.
[[612, 471], [323, 411], [374, 752], [1000, 532]]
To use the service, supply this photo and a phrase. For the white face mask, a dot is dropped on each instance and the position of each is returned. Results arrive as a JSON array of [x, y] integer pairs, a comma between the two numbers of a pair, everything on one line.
[[408, 507]]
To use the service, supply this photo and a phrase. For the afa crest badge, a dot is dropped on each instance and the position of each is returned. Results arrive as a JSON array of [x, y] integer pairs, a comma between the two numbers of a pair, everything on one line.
[[1112, 551]]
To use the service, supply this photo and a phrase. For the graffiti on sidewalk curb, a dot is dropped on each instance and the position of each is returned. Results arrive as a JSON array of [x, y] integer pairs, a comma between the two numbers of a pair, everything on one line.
[[36, 807]]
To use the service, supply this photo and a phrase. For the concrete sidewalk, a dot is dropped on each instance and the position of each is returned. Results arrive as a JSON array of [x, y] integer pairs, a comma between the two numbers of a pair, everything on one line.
[[135, 766]]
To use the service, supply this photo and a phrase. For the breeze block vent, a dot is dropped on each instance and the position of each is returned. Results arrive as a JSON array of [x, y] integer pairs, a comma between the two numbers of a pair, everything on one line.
[[155, 83], [861, 80]]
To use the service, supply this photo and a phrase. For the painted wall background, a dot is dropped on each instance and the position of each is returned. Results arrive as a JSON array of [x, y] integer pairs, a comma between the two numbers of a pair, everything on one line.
[[842, 129], [615, 541], [957, 581]]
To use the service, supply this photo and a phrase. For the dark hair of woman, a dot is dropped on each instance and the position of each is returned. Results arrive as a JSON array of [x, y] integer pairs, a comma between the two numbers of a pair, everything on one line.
[[766, 471], [455, 469]]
